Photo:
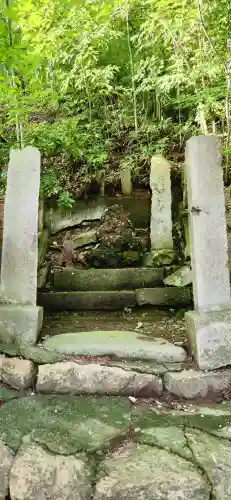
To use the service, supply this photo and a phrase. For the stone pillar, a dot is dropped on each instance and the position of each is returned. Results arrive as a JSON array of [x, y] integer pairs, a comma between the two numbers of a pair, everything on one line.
[[20, 319], [209, 325], [161, 213], [126, 181]]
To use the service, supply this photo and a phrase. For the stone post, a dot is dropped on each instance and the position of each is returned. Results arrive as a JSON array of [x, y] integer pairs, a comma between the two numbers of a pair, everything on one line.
[[126, 181], [209, 325], [20, 318], [161, 213]]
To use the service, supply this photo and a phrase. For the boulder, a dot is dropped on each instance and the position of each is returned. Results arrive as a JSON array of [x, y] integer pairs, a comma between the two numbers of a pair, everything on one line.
[[38, 475], [17, 373], [191, 384], [74, 378]]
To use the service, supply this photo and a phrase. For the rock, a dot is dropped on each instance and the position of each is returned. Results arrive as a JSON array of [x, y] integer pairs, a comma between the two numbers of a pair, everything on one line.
[[37, 475], [73, 378], [8, 394], [167, 296], [213, 456], [74, 301], [141, 472], [42, 275], [140, 366], [163, 257], [42, 246], [55, 421], [10, 349], [59, 219], [82, 239], [181, 277], [6, 461], [17, 373], [39, 355], [116, 343], [109, 279], [169, 438], [116, 230], [191, 384]]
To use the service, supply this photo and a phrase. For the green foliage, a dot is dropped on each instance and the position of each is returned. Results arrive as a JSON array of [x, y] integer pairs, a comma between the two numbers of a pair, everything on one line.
[[106, 84]]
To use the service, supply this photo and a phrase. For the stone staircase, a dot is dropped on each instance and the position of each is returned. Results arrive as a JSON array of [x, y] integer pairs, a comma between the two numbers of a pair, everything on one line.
[[111, 289]]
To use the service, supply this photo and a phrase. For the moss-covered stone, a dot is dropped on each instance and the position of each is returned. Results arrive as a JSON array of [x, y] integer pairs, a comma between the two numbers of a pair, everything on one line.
[[55, 422], [10, 349], [75, 301], [109, 279], [8, 394], [39, 355]]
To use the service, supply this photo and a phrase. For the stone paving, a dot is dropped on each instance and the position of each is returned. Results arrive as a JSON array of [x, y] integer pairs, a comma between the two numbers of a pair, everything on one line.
[[98, 448]]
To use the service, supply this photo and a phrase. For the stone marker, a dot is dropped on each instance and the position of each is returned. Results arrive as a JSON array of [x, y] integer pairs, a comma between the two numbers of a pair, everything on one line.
[[126, 181], [161, 216], [209, 326], [19, 316]]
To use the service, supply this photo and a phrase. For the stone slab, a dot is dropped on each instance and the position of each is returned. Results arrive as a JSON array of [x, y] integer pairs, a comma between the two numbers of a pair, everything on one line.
[[192, 384], [20, 234], [126, 181], [213, 456], [141, 472], [116, 343], [180, 278], [106, 279], [207, 223], [90, 210], [20, 324], [82, 239], [42, 275], [38, 474], [167, 296], [75, 301], [209, 336], [73, 378]]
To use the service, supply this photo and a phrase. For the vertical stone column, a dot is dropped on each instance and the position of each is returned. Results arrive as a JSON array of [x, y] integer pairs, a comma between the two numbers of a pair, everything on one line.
[[19, 316], [209, 326], [126, 181], [161, 213]]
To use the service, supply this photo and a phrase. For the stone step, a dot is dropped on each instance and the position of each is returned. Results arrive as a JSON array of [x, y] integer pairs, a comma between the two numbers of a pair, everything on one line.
[[107, 279], [114, 299]]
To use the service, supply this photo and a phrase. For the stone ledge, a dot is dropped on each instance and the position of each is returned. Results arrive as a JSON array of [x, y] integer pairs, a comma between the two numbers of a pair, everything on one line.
[[165, 296], [73, 378], [191, 384], [106, 279], [75, 301], [17, 373]]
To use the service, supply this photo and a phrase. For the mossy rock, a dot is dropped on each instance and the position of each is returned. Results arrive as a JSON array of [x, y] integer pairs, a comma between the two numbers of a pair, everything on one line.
[[39, 355]]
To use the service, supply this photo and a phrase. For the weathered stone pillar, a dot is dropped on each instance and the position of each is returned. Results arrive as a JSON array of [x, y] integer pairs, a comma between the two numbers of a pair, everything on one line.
[[126, 181], [209, 325], [161, 213], [20, 318]]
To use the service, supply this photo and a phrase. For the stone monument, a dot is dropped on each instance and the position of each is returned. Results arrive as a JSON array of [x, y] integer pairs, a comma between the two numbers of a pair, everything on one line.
[[126, 181], [20, 318], [209, 325], [161, 212]]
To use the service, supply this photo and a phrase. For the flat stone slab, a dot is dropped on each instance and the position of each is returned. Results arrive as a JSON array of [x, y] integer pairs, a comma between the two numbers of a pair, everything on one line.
[[34, 467], [106, 279], [136, 472], [74, 378], [180, 278], [137, 452], [191, 384], [116, 343], [166, 296], [75, 301]]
